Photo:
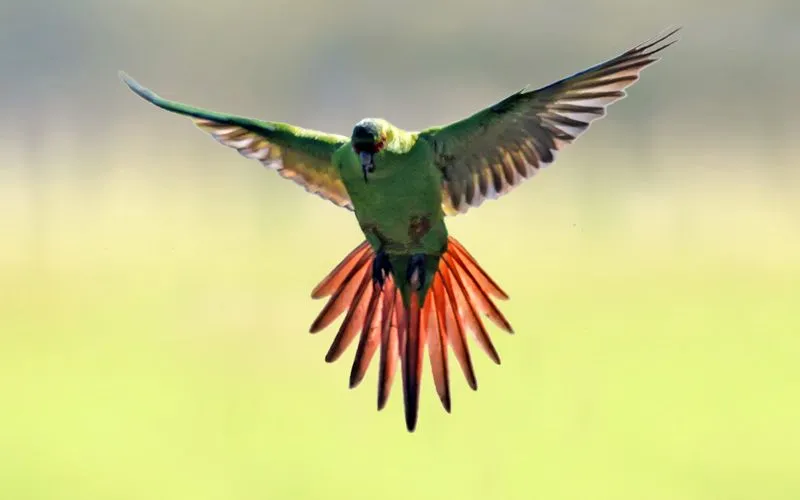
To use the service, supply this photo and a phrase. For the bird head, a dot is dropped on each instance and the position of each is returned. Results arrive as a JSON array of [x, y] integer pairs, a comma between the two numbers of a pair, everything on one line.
[[370, 137]]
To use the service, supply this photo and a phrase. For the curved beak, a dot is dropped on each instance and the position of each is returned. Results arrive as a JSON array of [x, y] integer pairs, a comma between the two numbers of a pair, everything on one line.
[[367, 163]]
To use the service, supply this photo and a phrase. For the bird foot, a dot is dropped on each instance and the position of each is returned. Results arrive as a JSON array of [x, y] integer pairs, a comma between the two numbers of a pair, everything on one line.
[[381, 268], [416, 271]]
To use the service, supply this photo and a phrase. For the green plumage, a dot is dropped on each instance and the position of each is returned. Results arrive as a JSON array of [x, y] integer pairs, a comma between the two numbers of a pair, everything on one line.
[[401, 185], [399, 208], [419, 177]]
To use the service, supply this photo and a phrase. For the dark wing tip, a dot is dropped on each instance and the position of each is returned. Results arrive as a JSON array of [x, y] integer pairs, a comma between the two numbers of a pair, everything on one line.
[[659, 42]]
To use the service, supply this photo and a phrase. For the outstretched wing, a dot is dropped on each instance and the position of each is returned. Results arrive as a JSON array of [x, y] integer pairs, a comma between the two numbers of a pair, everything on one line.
[[491, 152], [295, 153]]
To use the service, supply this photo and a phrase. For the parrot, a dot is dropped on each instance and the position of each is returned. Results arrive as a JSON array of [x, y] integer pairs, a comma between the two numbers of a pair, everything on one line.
[[410, 285]]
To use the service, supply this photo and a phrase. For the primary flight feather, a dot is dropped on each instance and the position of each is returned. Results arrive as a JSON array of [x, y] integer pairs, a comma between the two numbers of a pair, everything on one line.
[[410, 284]]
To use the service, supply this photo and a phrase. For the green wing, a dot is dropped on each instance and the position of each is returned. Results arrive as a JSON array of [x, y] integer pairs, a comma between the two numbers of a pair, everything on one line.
[[301, 155], [491, 152]]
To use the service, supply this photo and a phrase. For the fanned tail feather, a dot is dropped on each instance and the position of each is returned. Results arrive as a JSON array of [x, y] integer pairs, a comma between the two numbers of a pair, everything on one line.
[[461, 293]]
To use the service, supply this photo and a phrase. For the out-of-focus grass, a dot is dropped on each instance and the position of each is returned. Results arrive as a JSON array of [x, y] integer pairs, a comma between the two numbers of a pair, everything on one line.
[[153, 345]]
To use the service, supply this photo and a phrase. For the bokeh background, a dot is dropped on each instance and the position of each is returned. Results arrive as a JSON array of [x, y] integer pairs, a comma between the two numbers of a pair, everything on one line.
[[154, 286]]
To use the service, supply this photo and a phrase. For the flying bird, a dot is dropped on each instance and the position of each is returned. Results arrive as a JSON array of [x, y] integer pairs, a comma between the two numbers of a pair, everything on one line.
[[410, 284]]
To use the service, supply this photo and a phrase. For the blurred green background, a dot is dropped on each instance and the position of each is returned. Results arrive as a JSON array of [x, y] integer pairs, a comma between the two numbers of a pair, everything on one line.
[[155, 286]]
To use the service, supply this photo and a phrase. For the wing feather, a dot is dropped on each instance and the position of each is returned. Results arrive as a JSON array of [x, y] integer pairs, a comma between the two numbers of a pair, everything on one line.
[[302, 155], [493, 151]]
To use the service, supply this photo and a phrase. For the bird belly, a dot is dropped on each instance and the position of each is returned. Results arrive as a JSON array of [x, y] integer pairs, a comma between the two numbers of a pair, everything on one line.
[[414, 234], [405, 222]]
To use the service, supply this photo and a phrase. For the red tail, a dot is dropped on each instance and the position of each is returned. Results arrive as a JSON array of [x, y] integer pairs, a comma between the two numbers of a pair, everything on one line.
[[461, 292]]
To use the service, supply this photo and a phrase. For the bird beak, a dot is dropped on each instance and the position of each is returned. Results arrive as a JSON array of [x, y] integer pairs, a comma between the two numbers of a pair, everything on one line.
[[367, 163]]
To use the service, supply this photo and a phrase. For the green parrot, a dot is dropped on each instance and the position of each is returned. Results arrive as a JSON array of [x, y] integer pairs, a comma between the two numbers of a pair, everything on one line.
[[410, 284]]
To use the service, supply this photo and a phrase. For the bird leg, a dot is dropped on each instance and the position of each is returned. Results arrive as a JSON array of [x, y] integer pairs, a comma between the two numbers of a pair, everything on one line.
[[415, 274], [381, 267]]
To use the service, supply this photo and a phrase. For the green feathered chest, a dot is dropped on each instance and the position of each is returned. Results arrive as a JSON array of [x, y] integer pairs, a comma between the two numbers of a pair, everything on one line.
[[399, 205]]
